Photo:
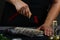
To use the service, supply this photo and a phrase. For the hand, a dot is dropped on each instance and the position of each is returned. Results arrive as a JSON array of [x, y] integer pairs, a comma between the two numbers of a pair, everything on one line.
[[23, 9], [47, 30]]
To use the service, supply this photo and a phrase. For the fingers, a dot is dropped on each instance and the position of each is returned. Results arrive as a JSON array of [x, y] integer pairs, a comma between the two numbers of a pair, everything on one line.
[[38, 28], [21, 11], [29, 14], [48, 32], [25, 11]]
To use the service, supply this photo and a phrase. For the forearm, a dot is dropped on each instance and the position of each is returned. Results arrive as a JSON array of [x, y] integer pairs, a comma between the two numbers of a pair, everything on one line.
[[53, 13], [18, 3], [14, 1]]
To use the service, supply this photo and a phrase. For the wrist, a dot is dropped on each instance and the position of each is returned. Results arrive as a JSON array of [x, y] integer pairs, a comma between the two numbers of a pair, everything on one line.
[[47, 24], [15, 2]]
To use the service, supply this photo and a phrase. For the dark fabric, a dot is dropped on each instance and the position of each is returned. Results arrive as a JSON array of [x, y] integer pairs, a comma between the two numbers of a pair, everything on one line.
[[2, 4], [38, 8], [8, 11]]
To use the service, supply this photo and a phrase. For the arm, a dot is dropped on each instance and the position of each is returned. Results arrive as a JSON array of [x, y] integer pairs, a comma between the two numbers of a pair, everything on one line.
[[53, 13]]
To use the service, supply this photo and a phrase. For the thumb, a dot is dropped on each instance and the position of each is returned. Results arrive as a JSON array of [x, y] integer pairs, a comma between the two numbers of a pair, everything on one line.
[[39, 28]]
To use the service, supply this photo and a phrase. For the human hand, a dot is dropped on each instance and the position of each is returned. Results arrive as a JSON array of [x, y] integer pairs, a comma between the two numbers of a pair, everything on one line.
[[48, 31], [23, 9]]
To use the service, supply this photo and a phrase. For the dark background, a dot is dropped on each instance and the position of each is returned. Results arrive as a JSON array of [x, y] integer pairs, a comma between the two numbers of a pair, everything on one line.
[[38, 8]]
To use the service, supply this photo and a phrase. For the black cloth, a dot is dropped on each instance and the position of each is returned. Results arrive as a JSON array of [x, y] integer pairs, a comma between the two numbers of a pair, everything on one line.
[[2, 4], [38, 8]]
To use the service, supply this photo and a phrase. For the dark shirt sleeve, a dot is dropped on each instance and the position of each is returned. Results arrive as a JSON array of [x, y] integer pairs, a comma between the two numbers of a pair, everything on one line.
[[2, 4]]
